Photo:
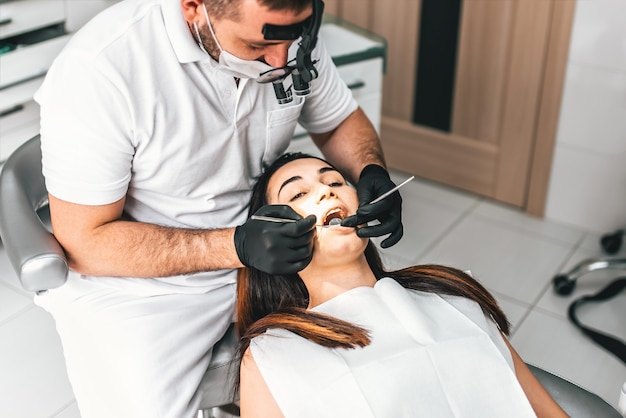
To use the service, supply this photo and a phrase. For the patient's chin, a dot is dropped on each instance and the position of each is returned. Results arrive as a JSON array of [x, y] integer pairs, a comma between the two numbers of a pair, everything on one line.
[[338, 248]]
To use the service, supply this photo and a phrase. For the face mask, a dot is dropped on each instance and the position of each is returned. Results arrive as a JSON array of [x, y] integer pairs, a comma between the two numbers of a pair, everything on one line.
[[235, 66]]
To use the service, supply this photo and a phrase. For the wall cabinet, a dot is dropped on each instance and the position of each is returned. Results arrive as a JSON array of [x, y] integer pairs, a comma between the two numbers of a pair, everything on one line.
[[32, 33]]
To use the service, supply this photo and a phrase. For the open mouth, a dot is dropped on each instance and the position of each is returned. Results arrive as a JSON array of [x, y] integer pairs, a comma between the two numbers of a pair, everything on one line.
[[333, 217]]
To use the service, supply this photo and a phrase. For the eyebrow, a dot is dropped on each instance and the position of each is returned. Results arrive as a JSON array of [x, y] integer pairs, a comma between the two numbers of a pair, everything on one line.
[[261, 44], [296, 178]]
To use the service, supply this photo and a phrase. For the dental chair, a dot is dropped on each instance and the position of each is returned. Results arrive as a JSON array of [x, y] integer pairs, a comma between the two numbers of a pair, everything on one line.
[[40, 264]]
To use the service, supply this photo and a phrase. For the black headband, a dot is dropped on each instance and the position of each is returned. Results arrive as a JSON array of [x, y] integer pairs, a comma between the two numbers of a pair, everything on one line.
[[285, 33]]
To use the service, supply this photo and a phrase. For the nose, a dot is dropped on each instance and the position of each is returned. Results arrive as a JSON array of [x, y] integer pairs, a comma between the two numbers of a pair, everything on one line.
[[276, 55], [325, 192]]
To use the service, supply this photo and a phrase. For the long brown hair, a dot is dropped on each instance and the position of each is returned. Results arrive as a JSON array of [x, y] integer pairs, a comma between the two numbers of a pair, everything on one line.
[[279, 301]]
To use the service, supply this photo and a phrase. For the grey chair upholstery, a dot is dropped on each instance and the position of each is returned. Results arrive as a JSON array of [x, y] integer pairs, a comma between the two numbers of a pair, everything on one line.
[[576, 401], [34, 253], [217, 386], [40, 262]]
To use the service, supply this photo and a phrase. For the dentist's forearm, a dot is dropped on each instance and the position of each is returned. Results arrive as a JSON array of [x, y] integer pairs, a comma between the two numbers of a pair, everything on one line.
[[352, 146], [134, 249], [98, 242]]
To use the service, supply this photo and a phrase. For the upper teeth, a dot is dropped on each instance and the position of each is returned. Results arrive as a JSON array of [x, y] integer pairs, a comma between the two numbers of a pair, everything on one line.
[[333, 221]]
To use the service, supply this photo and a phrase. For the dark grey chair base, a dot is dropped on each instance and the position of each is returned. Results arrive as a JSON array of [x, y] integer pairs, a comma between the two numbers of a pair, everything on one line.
[[565, 283]]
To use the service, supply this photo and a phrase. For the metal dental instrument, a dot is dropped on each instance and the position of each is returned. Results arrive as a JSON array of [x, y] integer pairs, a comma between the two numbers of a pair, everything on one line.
[[271, 219], [390, 192], [333, 222]]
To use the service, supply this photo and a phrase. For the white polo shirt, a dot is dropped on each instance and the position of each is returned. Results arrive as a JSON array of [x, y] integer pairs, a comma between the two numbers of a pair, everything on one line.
[[132, 106]]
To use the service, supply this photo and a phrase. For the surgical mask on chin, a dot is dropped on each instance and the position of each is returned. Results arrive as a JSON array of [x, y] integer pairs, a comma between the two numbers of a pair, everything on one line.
[[231, 64]]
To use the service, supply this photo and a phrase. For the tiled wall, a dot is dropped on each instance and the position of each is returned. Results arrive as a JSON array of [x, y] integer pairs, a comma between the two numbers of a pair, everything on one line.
[[588, 181]]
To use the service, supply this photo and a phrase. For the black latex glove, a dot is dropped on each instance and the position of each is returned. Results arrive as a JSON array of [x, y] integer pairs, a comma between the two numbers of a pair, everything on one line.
[[276, 248], [373, 182]]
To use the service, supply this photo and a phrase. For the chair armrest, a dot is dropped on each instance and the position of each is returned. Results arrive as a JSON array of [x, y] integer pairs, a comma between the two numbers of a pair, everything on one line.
[[575, 401], [34, 253]]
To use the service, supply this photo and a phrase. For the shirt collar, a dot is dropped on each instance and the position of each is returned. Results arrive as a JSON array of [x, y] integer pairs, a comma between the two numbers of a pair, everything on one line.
[[184, 44]]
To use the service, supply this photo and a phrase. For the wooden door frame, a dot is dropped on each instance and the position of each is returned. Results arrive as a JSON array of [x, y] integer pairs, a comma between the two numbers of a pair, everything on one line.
[[550, 107]]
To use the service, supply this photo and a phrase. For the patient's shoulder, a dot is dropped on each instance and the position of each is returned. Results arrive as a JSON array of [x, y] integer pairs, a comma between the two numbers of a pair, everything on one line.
[[256, 399]]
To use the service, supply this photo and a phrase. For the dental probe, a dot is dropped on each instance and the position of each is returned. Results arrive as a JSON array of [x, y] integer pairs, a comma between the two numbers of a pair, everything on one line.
[[384, 195], [338, 221], [271, 219], [333, 222]]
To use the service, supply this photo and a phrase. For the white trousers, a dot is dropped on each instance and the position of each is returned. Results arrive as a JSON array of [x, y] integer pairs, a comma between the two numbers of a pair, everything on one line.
[[137, 356]]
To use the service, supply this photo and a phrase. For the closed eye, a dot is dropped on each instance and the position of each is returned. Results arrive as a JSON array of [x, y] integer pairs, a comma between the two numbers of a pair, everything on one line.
[[255, 47], [297, 196]]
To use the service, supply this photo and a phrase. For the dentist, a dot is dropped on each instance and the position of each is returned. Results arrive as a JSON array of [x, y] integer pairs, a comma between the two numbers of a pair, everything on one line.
[[156, 119]]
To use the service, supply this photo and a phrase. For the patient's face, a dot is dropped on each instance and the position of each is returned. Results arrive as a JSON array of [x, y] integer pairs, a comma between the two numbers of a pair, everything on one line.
[[311, 186]]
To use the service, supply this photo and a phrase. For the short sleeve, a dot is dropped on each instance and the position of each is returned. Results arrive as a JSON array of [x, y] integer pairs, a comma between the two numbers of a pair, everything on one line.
[[85, 131]]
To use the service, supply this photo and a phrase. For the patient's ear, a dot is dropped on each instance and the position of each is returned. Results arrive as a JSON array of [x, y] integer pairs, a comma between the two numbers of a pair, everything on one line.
[[192, 10]]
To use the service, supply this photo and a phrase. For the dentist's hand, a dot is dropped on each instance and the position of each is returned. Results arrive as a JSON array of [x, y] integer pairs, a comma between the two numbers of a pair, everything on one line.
[[373, 182], [276, 248]]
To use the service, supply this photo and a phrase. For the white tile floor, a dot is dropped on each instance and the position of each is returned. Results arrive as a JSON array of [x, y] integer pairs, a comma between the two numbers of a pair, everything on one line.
[[514, 255]]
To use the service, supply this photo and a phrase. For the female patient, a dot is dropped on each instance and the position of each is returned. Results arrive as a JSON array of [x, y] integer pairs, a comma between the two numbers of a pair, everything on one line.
[[344, 338]]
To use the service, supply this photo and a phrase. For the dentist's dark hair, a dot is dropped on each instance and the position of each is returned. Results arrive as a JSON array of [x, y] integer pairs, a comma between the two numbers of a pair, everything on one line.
[[230, 9], [267, 301]]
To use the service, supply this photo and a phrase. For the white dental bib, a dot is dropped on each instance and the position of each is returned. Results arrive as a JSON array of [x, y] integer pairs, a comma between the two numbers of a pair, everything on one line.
[[429, 357]]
